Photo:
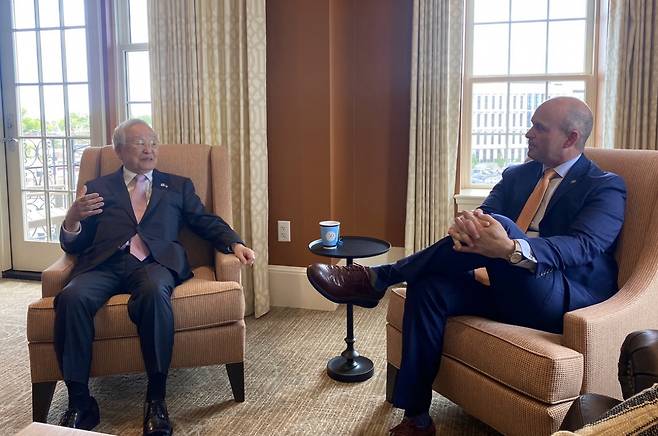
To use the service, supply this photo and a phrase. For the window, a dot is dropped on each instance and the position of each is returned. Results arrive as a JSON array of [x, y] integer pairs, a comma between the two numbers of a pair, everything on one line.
[[518, 54], [51, 82], [133, 60]]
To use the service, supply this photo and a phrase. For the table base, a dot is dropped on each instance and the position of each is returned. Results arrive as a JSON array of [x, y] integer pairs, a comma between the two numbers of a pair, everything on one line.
[[358, 370]]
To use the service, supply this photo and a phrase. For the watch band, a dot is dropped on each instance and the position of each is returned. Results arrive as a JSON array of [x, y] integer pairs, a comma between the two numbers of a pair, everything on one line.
[[517, 255]]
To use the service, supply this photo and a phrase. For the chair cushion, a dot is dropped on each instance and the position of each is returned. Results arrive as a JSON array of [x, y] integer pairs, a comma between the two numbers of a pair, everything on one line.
[[529, 361], [197, 303]]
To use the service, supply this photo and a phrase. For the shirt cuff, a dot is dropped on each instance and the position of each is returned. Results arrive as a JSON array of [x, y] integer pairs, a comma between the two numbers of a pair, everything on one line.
[[70, 236], [529, 261]]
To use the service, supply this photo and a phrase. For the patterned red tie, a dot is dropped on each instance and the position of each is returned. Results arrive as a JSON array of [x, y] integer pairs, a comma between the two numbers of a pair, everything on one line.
[[138, 200]]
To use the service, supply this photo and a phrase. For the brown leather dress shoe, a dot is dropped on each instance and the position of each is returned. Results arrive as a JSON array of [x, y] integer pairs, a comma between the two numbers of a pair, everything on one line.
[[408, 428], [344, 284]]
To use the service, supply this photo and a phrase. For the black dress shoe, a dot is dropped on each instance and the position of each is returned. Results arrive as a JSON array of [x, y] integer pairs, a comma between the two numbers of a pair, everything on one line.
[[344, 284], [83, 419], [156, 419]]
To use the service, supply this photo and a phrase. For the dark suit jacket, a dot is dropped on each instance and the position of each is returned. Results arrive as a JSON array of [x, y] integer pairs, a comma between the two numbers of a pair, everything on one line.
[[173, 203], [579, 231]]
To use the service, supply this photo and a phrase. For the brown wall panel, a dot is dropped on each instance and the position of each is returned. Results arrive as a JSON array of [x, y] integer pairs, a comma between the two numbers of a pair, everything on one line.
[[343, 180], [338, 119], [298, 122], [382, 65]]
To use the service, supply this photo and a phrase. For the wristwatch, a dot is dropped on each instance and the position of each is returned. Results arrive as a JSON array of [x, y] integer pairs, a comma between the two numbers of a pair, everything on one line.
[[517, 254]]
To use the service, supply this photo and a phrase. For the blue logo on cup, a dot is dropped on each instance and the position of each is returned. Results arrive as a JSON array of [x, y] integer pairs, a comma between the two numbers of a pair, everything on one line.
[[329, 233]]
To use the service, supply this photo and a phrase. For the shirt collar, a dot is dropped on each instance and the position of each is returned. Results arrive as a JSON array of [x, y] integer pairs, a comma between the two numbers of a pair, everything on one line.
[[564, 167], [128, 175]]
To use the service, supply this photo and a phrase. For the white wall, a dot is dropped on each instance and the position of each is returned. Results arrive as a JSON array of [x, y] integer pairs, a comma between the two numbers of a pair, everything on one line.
[[289, 286]]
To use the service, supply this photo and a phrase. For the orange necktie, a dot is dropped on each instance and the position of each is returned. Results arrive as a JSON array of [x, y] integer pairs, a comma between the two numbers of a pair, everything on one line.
[[532, 203], [525, 217]]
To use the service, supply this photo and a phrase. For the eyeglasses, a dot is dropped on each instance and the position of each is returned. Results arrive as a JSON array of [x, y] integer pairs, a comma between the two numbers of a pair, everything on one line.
[[141, 144]]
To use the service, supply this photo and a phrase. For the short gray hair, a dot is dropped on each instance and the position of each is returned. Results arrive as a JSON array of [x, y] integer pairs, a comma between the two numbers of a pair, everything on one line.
[[119, 135]]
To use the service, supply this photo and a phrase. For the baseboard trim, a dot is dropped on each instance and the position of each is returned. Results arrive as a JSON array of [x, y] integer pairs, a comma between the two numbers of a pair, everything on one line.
[[289, 286], [21, 275]]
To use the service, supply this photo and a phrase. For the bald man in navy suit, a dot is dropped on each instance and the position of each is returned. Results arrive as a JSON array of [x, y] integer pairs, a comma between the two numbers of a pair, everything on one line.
[[563, 260], [124, 229]]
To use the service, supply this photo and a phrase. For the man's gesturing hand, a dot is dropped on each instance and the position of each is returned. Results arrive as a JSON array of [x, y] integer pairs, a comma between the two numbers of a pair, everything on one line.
[[245, 254], [83, 206]]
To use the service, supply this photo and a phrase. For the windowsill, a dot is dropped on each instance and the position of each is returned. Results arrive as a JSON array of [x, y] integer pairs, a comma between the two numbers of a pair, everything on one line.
[[473, 194], [471, 198]]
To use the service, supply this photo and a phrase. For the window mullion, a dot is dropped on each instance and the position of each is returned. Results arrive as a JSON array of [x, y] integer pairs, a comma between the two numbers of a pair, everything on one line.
[[548, 24], [532, 77], [509, 37]]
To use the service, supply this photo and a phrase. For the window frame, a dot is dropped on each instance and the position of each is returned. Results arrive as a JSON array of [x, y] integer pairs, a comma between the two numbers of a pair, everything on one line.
[[589, 77], [124, 46]]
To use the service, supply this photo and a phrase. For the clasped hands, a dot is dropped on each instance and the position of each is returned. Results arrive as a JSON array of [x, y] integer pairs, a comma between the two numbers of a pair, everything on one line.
[[479, 233]]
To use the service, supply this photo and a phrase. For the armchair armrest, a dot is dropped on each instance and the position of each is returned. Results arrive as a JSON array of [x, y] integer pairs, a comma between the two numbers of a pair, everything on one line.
[[598, 331], [55, 277], [227, 268]]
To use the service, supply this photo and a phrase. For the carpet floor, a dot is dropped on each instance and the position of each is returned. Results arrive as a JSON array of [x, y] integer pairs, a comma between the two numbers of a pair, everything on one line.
[[287, 389]]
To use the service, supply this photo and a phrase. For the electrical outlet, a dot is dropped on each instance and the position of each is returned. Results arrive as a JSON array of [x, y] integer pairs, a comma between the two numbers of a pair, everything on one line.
[[283, 231]]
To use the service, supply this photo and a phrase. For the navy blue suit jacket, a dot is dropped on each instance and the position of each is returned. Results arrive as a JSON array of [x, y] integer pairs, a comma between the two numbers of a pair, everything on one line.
[[173, 203], [579, 231]]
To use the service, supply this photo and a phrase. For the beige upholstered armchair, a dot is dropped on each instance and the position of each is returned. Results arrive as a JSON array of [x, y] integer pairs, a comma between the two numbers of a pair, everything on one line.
[[522, 381], [208, 309]]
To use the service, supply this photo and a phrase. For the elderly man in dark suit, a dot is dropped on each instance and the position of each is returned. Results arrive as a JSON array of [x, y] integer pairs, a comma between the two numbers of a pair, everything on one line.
[[124, 229], [542, 244]]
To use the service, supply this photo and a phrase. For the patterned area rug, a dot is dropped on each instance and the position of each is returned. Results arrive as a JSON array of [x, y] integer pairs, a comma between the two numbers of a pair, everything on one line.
[[287, 389]]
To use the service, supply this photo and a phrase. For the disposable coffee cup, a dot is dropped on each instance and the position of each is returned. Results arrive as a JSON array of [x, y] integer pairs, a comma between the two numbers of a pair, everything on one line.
[[329, 233]]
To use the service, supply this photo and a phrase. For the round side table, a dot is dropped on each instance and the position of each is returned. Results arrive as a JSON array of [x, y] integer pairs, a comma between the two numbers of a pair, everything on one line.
[[350, 366]]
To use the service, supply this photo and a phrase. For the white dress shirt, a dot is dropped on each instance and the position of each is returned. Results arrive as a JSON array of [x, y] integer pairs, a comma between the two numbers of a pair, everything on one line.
[[529, 261]]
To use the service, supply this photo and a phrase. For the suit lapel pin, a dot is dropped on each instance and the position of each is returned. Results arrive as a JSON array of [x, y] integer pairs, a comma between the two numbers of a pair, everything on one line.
[[572, 182], [164, 185]]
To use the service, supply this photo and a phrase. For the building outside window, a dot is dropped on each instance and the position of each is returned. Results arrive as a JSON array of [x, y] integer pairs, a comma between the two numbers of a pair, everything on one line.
[[518, 54]]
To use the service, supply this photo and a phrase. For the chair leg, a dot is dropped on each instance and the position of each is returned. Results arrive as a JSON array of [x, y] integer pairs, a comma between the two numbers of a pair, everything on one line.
[[42, 396], [235, 373], [391, 376]]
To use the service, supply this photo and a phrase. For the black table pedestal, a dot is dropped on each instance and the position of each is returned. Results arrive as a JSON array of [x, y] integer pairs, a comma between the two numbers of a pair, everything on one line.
[[350, 366]]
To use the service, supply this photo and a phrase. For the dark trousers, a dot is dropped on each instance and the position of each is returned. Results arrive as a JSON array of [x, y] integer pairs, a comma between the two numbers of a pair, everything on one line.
[[440, 284], [150, 286]]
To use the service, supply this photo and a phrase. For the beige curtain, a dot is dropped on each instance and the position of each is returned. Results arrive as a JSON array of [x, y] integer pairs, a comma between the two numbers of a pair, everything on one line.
[[208, 87], [436, 82], [631, 92]]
